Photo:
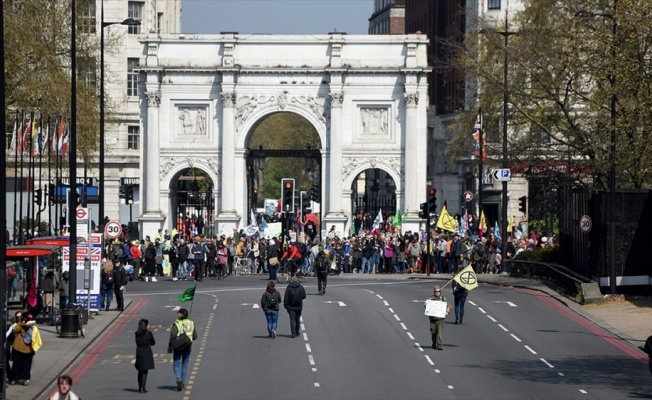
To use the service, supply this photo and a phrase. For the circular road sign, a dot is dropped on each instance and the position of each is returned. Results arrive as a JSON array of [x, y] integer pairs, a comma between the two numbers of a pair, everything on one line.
[[586, 224], [81, 213], [113, 230]]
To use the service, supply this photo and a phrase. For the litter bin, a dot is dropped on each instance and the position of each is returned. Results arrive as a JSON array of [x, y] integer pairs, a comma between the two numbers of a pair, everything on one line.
[[69, 324]]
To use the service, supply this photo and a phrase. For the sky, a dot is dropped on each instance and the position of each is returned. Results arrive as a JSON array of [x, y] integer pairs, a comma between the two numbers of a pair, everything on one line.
[[276, 16]]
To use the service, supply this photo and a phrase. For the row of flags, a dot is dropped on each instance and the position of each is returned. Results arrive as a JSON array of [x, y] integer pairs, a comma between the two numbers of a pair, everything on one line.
[[39, 137], [478, 138]]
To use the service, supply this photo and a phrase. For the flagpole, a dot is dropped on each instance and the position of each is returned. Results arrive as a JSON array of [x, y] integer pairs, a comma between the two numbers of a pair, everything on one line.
[[480, 163], [18, 137]]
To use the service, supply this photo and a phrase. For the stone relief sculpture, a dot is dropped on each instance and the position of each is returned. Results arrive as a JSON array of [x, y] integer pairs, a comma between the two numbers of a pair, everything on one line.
[[173, 162], [374, 121], [315, 104], [192, 121], [246, 105], [350, 165]]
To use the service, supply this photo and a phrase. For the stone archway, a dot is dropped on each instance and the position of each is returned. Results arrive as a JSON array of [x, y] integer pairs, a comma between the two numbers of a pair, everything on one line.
[[366, 96]]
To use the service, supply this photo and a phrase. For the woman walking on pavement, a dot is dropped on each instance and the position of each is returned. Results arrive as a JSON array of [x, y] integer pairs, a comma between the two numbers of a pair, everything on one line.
[[144, 356], [269, 303]]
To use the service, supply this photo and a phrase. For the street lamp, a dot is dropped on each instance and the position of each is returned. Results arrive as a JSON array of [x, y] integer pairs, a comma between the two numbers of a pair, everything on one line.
[[612, 143], [503, 225], [129, 22]]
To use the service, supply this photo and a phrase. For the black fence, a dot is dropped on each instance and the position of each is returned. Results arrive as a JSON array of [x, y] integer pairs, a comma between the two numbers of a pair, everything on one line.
[[365, 205]]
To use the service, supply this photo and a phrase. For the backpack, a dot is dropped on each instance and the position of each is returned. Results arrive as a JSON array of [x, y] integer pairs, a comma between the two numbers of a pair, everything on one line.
[[118, 252], [321, 262], [294, 298], [272, 302]]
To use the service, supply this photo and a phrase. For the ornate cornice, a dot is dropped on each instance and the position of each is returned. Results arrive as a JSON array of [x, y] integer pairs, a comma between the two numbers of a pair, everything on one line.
[[352, 164], [172, 162]]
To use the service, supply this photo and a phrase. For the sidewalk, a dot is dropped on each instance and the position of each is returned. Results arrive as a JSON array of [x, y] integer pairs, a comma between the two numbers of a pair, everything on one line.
[[630, 320], [58, 354]]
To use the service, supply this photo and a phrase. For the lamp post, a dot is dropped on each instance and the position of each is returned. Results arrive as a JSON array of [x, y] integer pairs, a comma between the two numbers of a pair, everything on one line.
[[103, 24], [503, 215], [612, 143]]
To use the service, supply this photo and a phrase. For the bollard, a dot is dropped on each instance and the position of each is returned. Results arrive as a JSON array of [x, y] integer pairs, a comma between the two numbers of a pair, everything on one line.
[[69, 324]]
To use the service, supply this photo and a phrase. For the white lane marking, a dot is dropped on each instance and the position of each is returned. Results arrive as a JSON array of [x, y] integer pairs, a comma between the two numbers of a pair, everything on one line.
[[303, 327], [481, 310], [367, 290], [311, 359], [314, 370], [403, 326], [491, 318], [308, 348], [305, 336], [253, 305], [582, 391], [508, 302], [547, 363], [472, 303], [391, 310], [397, 318], [379, 296], [505, 329], [419, 346], [410, 336], [386, 303], [450, 387], [514, 336], [437, 371], [316, 384], [560, 373], [214, 306], [531, 351], [341, 303], [429, 360]]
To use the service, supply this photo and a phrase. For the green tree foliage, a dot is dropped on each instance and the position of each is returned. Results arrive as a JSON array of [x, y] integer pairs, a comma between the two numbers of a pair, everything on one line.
[[38, 61], [563, 71], [284, 131]]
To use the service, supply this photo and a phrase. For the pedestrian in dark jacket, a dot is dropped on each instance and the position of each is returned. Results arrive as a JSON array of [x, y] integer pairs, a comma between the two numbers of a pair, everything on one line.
[[144, 356], [272, 253], [648, 350], [270, 303], [293, 303], [120, 280]]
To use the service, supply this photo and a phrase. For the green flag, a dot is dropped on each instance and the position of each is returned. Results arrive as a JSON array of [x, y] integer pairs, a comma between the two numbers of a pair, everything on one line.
[[396, 221], [187, 294]]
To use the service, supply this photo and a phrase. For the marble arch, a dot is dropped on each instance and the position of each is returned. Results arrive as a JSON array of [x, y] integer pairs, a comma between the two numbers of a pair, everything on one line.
[[202, 95]]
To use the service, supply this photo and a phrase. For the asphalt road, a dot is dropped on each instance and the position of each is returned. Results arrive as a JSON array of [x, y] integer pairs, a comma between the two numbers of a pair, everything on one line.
[[366, 340]]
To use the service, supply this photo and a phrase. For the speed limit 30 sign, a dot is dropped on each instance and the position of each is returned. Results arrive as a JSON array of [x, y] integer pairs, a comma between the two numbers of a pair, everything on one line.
[[113, 229], [586, 224]]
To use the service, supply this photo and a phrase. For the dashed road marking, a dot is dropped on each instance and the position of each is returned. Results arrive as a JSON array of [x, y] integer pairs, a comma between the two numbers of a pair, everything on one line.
[[491, 318], [547, 363], [481, 310], [403, 326], [582, 391], [515, 337], [530, 349], [429, 360], [503, 328]]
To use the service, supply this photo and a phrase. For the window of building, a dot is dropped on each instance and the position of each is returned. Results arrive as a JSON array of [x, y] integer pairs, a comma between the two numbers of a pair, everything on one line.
[[135, 11], [133, 137], [494, 4], [87, 17], [132, 77], [86, 70]]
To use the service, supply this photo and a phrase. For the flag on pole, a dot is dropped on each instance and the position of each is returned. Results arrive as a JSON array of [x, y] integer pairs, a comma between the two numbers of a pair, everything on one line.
[[467, 278], [478, 140], [377, 222], [497, 231], [396, 220], [446, 221], [34, 139], [188, 294], [253, 219], [14, 135], [45, 145], [483, 222]]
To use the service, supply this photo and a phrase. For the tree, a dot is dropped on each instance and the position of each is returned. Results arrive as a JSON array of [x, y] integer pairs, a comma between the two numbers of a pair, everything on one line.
[[37, 46], [563, 71]]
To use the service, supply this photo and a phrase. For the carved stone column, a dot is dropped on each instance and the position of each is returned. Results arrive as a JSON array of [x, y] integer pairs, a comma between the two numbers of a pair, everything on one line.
[[228, 154], [152, 218], [334, 205], [412, 197]]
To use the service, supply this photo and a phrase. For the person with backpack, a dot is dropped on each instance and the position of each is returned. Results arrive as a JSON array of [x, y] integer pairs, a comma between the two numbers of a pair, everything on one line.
[[322, 264], [107, 286], [270, 303], [181, 358], [293, 303]]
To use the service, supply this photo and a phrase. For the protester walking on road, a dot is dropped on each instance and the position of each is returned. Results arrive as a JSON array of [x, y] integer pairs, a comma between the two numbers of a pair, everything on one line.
[[272, 259], [437, 323], [64, 383], [181, 358], [322, 265], [293, 303], [459, 295], [270, 303], [648, 350], [144, 356]]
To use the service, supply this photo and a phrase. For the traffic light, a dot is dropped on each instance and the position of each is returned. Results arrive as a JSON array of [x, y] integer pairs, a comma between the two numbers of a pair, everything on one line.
[[123, 191], [314, 191], [254, 197], [522, 204], [432, 200], [38, 199], [304, 202], [51, 194], [287, 195], [424, 210], [130, 194]]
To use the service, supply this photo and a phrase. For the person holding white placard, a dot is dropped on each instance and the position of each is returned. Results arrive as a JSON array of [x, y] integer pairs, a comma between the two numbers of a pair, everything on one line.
[[437, 319]]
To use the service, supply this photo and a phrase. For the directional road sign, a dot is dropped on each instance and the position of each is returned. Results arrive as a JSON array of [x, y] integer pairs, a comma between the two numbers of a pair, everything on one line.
[[502, 174]]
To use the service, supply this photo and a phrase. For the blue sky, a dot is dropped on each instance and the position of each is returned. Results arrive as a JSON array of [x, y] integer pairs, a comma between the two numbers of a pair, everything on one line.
[[276, 16]]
